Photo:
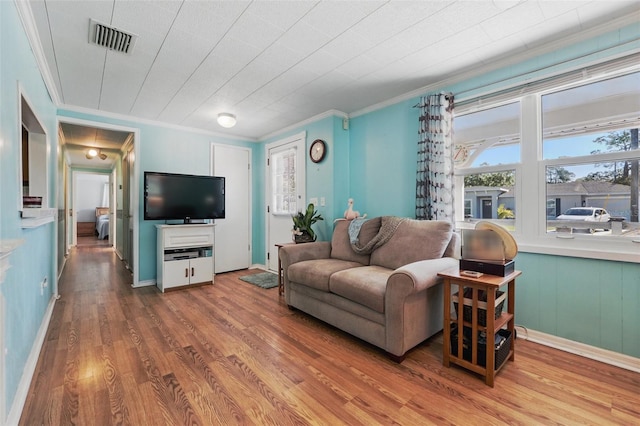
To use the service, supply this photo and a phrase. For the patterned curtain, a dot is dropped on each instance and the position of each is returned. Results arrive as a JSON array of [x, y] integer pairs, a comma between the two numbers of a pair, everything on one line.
[[434, 179]]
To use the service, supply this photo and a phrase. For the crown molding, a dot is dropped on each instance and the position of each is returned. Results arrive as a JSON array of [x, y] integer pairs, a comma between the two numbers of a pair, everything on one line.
[[132, 120], [318, 117], [609, 26], [29, 25]]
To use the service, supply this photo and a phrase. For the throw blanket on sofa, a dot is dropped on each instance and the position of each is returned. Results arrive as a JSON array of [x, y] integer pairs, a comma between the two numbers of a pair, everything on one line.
[[388, 227]]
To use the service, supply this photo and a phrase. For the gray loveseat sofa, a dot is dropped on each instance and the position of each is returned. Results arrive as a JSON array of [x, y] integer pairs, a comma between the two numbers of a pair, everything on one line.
[[391, 298]]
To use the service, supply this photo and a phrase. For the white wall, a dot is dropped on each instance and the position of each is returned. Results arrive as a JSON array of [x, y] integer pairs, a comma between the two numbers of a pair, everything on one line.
[[89, 187]]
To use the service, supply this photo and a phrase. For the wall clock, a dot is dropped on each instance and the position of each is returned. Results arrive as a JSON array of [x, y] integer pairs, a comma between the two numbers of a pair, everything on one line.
[[318, 150]]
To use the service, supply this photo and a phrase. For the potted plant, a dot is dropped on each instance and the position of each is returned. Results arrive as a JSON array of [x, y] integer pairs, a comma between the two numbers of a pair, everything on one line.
[[302, 232]]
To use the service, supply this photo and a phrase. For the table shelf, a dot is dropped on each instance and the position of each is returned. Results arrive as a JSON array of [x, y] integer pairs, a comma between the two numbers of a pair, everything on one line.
[[490, 284], [500, 322]]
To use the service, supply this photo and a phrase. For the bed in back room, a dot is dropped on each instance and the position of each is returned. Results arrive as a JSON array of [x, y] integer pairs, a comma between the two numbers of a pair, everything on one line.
[[102, 222]]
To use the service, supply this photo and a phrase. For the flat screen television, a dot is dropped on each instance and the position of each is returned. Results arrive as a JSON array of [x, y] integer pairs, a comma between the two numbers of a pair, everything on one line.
[[170, 196]]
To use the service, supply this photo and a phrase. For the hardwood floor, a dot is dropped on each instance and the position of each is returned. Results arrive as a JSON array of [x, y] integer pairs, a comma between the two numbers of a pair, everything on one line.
[[232, 353], [91, 241]]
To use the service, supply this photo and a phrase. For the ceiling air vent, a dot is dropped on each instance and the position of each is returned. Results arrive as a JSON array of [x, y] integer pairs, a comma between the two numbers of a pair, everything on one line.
[[111, 37]]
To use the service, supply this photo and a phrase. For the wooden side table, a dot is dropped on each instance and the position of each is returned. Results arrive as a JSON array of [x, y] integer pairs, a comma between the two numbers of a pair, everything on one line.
[[490, 284], [280, 271]]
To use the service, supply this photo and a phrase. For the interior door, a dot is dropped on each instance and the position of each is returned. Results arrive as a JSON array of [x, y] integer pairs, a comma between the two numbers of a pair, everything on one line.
[[127, 210], [285, 191], [233, 233]]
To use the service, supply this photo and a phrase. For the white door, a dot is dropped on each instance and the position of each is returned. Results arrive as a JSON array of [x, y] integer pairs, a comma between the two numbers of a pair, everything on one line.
[[285, 191], [233, 233]]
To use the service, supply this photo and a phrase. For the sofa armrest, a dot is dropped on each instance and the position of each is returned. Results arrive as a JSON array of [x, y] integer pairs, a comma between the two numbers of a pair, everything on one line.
[[413, 303], [418, 276], [295, 253]]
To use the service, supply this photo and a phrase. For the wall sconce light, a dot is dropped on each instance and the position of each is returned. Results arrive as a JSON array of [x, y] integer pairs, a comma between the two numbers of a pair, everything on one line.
[[226, 120]]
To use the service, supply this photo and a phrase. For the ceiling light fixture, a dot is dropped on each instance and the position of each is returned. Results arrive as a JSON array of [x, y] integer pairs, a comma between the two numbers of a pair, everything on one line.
[[226, 120], [93, 153]]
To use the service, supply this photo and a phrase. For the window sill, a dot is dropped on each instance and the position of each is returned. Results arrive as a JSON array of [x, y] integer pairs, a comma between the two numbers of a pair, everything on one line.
[[626, 251], [33, 218]]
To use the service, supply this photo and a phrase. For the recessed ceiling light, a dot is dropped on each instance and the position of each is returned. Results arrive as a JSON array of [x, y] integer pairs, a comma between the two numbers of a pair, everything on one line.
[[92, 153], [226, 120]]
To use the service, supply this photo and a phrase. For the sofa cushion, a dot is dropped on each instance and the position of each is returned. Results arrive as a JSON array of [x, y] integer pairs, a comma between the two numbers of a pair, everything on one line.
[[365, 285], [341, 244], [316, 273], [414, 240]]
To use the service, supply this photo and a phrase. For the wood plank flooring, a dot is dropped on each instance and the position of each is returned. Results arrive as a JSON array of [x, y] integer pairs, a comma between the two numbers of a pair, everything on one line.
[[232, 353]]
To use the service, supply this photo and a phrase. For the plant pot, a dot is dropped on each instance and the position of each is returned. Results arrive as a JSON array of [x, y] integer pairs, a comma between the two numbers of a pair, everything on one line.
[[304, 238]]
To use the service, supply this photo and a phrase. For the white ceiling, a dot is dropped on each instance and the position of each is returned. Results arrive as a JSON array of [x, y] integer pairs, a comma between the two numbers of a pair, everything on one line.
[[276, 63]]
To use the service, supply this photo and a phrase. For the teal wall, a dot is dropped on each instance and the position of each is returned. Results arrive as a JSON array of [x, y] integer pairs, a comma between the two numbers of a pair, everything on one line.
[[384, 146], [35, 259], [595, 302]]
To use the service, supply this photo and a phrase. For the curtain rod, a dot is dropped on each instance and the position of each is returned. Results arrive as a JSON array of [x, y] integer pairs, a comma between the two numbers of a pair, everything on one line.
[[448, 96]]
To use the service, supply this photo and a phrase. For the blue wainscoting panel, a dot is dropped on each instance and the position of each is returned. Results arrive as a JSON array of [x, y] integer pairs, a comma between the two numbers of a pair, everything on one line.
[[595, 302], [631, 309]]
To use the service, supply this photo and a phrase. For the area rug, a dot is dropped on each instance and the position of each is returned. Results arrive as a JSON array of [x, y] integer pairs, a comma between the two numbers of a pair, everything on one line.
[[262, 279]]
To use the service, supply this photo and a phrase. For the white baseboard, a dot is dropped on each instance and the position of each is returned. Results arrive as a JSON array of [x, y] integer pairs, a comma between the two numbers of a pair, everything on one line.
[[146, 283], [258, 266], [120, 256], [603, 355], [30, 367]]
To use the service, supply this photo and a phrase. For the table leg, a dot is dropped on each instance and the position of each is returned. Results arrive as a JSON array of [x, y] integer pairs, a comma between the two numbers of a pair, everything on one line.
[[446, 336]]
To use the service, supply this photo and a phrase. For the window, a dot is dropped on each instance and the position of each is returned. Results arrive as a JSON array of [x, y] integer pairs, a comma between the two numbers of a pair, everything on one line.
[[487, 145], [467, 209], [590, 148], [284, 182], [488, 137], [556, 165]]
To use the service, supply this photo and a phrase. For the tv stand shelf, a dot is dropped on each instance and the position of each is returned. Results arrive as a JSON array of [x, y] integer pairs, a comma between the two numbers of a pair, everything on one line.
[[184, 256]]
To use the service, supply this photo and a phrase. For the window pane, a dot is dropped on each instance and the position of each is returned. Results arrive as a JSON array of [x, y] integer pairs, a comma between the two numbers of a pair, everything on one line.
[[283, 182], [490, 196], [591, 119], [595, 198], [489, 137]]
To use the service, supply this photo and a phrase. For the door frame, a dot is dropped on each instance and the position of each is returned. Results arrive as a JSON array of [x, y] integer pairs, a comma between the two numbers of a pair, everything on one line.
[[74, 198], [136, 185], [250, 194], [301, 142]]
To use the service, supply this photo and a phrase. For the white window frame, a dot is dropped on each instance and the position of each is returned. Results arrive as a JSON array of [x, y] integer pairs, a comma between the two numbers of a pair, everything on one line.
[[530, 175]]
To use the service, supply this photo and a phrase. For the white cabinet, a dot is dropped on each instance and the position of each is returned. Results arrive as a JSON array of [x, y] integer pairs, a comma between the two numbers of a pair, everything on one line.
[[185, 255]]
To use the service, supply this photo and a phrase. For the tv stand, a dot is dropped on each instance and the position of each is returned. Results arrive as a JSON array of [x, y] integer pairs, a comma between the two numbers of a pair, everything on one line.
[[184, 255]]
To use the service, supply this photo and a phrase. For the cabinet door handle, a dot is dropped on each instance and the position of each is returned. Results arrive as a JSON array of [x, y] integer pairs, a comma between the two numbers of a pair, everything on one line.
[[186, 272], [192, 271]]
